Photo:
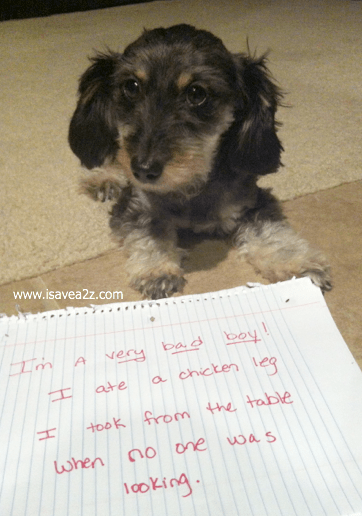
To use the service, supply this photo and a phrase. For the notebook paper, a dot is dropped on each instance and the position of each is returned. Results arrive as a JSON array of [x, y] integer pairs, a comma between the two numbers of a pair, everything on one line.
[[235, 403]]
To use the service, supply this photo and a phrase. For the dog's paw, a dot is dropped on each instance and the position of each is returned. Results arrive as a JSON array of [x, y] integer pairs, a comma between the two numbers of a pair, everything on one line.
[[103, 186], [317, 270], [279, 254], [101, 190], [313, 265], [109, 191], [161, 287], [321, 277]]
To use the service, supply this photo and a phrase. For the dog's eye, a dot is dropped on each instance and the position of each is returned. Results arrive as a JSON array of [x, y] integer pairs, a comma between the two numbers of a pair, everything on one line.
[[196, 95], [131, 89]]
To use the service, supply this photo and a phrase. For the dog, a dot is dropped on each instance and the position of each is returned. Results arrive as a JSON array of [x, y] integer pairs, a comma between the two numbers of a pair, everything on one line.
[[178, 130]]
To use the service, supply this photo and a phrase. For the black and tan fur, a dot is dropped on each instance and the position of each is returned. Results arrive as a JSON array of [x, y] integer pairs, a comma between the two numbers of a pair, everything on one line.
[[178, 130]]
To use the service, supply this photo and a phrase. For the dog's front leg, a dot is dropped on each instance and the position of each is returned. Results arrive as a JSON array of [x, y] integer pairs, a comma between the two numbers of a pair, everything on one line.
[[272, 247], [104, 184], [154, 263]]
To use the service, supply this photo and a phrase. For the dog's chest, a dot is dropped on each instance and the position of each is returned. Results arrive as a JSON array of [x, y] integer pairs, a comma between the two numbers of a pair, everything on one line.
[[216, 210]]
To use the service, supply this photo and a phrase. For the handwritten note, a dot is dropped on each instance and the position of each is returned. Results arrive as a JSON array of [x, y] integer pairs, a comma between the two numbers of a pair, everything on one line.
[[240, 402]]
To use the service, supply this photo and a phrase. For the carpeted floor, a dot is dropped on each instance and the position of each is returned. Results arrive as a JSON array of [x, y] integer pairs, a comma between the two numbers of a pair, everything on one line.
[[316, 48]]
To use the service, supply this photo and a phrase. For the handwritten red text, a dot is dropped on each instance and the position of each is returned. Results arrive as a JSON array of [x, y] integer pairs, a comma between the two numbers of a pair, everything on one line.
[[241, 439], [74, 464], [157, 379], [127, 356], [109, 387], [150, 453], [267, 362], [107, 426], [62, 395], [154, 484], [182, 348], [164, 419], [270, 400], [181, 448], [208, 371], [81, 360], [241, 338], [219, 408], [48, 435], [23, 367]]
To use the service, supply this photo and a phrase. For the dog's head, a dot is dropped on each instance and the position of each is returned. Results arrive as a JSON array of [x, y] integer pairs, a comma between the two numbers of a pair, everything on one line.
[[170, 104]]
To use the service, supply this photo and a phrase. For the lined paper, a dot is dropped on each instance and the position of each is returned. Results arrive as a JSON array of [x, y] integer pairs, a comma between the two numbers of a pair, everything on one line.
[[239, 402]]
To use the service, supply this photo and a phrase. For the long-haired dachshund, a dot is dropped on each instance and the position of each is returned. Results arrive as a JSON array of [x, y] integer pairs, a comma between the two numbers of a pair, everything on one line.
[[179, 130]]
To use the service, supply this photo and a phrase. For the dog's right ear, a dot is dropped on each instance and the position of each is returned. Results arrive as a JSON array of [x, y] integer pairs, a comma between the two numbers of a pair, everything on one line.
[[259, 148], [93, 129]]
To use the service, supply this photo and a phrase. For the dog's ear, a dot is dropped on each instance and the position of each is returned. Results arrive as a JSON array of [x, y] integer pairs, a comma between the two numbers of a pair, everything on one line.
[[93, 130], [258, 146]]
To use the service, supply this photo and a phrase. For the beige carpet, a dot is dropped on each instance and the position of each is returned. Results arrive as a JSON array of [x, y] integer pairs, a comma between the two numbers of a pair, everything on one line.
[[316, 56]]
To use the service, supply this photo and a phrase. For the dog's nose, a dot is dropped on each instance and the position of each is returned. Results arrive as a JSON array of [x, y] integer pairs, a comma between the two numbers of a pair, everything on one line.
[[146, 172]]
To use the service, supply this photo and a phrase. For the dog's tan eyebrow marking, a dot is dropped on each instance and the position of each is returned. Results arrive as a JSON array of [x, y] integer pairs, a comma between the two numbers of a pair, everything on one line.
[[141, 74], [184, 79]]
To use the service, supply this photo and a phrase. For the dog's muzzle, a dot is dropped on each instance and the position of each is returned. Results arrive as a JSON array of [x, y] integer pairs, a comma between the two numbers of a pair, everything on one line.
[[146, 172]]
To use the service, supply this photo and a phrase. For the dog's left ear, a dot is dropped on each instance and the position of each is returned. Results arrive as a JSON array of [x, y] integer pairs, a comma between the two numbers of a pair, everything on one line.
[[258, 147], [93, 129]]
